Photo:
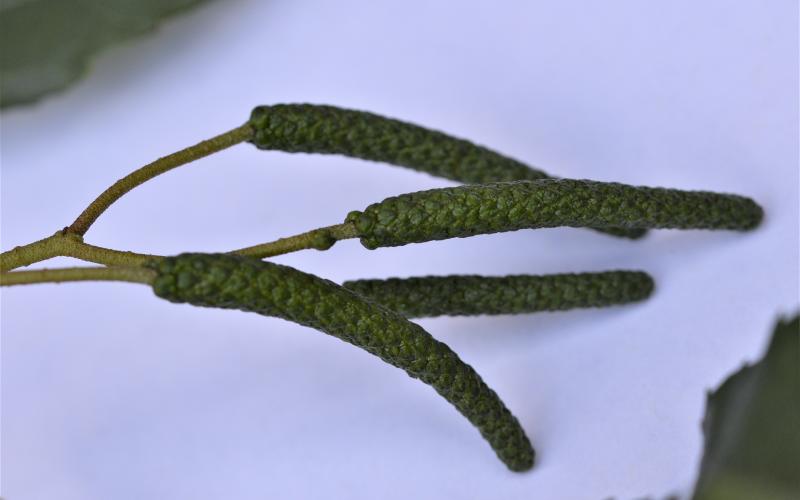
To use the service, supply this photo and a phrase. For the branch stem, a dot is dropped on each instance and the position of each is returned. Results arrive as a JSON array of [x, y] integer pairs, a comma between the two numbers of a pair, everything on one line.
[[321, 239], [63, 244], [46, 248], [143, 174], [107, 256], [129, 274]]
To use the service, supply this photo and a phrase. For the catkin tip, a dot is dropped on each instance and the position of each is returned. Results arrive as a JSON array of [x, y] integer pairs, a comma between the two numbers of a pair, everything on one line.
[[523, 466], [648, 285], [757, 216]]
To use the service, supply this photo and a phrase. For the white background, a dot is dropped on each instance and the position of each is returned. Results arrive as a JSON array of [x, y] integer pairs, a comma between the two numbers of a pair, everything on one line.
[[110, 393]]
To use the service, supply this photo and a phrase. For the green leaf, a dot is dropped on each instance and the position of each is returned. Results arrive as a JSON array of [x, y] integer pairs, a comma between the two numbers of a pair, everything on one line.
[[752, 427], [47, 44]]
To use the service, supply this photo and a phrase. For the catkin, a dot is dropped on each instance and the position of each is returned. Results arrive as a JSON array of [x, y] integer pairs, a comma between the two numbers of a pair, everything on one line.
[[474, 295], [234, 282], [464, 211], [309, 128]]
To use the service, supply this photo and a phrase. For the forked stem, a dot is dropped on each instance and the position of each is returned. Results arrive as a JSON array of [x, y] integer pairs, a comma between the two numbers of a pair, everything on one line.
[[158, 167], [63, 244], [24, 255]]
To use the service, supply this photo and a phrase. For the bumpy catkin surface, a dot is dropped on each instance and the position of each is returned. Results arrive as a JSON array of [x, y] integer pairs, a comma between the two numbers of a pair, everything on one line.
[[473, 295], [233, 282], [311, 128], [464, 211]]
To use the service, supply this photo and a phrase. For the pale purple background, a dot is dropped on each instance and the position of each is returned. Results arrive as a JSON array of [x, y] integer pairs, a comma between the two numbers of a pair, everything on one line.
[[110, 393]]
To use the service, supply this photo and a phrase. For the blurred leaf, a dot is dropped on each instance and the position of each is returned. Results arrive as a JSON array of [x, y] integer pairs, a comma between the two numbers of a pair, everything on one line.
[[47, 44], [752, 427]]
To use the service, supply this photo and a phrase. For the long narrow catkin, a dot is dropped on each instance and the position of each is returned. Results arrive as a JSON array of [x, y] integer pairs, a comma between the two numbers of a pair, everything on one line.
[[234, 282], [474, 295], [310, 128], [465, 211]]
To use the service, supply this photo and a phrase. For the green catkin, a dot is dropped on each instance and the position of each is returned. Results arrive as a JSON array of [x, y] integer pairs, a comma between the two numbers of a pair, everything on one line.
[[309, 128], [235, 282], [464, 211], [474, 295]]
